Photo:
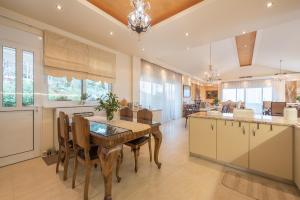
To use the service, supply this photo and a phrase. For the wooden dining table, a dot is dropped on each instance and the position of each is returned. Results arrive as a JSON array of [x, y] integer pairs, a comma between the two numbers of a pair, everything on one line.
[[111, 135]]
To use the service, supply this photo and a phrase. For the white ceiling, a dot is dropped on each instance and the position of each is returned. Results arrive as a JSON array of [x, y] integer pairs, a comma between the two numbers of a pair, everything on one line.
[[216, 21]]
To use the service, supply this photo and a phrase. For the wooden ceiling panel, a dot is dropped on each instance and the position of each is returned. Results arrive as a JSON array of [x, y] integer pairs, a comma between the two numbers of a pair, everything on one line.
[[245, 46], [160, 9]]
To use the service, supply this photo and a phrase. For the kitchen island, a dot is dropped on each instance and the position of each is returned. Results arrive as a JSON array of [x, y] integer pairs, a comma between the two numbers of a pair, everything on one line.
[[264, 145]]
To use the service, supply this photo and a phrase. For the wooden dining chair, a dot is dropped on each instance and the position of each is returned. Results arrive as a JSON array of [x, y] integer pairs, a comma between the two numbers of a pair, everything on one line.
[[126, 114], [65, 144], [85, 153], [277, 108], [143, 116]]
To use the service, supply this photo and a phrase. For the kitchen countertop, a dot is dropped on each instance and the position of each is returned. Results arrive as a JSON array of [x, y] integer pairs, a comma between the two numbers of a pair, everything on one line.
[[264, 119]]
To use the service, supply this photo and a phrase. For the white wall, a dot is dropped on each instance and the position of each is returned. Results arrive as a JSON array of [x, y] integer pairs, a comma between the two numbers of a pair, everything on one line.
[[123, 83], [136, 73]]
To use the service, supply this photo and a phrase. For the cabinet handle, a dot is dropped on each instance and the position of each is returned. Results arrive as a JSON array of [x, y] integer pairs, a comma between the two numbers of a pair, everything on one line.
[[212, 127], [244, 131], [253, 132]]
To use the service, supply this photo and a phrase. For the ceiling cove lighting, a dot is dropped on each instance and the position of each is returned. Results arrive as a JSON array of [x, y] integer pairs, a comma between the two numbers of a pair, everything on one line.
[[59, 7], [269, 4], [138, 20], [211, 76]]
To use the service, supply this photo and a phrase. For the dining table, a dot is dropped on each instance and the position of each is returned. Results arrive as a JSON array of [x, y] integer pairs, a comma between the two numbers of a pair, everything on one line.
[[111, 135]]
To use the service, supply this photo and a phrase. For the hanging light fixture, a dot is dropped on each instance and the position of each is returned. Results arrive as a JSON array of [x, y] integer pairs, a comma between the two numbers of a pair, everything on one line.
[[138, 20], [212, 75], [281, 76]]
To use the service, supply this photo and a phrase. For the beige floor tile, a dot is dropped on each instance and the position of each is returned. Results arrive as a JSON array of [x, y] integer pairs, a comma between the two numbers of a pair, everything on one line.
[[181, 176]]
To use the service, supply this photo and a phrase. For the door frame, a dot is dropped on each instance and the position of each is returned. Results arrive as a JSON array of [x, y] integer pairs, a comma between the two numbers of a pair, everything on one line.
[[38, 97]]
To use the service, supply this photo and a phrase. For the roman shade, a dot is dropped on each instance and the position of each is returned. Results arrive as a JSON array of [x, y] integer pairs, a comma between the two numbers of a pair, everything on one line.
[[67, 57]]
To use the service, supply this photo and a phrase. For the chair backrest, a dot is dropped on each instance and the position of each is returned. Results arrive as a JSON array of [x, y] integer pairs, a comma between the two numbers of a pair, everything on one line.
[[126, 114], [81, 132], [277, 108], [144, 116], [63, 128], [84, 114]]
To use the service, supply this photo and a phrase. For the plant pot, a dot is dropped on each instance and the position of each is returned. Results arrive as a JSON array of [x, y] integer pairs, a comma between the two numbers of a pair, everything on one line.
[[109, 115]]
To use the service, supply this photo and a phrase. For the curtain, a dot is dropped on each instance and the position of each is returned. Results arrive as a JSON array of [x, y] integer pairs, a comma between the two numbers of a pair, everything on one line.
[[67, 57], [254, 92], [161, 89], [278, 86]]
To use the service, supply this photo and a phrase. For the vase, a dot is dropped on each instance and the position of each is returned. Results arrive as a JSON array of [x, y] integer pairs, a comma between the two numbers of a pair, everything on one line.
[[109, 115]]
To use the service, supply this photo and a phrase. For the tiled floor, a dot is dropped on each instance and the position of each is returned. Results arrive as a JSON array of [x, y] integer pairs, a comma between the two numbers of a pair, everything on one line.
[[181, 176]]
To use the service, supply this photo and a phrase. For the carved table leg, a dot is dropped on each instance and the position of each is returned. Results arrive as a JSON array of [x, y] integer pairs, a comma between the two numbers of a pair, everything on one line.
[[107, 158], [157, 139]]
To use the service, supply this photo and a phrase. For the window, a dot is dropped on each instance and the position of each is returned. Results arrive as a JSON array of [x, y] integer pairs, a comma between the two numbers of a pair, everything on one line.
[[229, 94], [9, 77], [28, 98], [267, 94], [253, 94], [96, 89], [240, 94], [254, 99], [60, 89]]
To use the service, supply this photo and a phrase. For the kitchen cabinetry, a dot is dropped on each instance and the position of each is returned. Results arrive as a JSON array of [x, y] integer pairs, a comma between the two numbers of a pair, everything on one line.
[[271, 150], [233, 142], [203, 137], [297, 156]]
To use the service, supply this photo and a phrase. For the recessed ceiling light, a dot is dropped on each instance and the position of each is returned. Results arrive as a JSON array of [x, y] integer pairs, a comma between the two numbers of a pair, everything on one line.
[[269, 4], [59, 7], [244, 32], [143, 49], [187, 34], [40, 37], [111, 33], [188, 48]]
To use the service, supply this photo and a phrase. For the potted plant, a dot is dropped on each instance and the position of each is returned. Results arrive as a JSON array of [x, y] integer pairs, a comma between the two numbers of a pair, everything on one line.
[[83, 98], [298, 98], [216, 101], [110, 104]]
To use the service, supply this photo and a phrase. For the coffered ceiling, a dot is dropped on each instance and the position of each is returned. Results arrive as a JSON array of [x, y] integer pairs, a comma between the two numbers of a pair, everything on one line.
[[210, 21], [160, 9]]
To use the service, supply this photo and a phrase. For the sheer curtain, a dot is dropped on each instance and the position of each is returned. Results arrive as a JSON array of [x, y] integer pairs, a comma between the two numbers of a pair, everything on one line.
[[161, 89], [254, 92]]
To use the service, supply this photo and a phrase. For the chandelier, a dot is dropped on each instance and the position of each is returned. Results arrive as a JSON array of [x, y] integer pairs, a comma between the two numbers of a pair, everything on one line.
[[212, 75], [281, 76], [138, 20]]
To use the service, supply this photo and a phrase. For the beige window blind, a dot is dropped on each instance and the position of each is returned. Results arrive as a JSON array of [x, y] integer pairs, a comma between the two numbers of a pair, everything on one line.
[[67, 57]]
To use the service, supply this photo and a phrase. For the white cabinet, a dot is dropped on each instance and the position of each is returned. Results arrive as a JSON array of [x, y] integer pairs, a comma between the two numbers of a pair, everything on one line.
[[271, 150], [297, 157], [233, 142], [203, 137]]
